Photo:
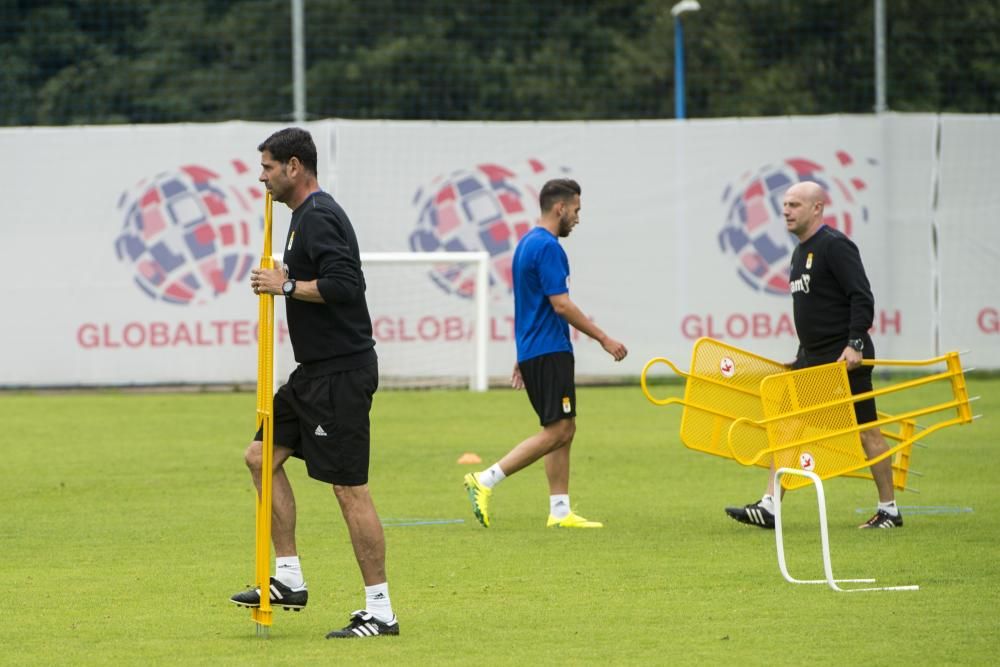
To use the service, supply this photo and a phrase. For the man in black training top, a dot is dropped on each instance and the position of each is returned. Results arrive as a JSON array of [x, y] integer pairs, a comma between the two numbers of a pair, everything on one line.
[[321, 415], [833, 307]]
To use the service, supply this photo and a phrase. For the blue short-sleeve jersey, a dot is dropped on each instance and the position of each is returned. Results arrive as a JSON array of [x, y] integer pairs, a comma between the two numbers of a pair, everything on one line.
[[540, 270]]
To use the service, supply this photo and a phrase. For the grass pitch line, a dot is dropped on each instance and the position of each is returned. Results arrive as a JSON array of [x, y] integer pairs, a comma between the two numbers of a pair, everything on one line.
[[934, 510], [392, 523]]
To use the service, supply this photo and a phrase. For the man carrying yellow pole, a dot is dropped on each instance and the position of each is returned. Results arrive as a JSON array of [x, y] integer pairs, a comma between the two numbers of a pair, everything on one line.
[[321, 415]]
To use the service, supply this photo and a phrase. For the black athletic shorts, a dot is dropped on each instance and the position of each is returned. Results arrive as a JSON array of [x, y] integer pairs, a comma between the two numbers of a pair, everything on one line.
[[860, 378], [551, 386], [322, 417]]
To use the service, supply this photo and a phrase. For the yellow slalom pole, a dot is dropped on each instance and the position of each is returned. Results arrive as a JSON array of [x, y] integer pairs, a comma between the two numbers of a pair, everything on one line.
[[265, 421]]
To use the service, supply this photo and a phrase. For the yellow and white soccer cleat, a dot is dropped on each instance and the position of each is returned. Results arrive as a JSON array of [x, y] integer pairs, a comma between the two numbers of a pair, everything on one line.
[[479, 495], [572, 520]]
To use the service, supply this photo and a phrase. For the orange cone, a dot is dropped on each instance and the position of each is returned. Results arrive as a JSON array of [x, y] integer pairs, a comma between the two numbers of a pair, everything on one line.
[[469, 458]]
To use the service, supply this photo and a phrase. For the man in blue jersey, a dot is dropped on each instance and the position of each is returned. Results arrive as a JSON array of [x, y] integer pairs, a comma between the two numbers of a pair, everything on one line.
[[543, 312]]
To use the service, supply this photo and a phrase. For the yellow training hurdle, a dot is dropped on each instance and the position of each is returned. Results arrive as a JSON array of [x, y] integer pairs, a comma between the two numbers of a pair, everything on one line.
[[755, 410]]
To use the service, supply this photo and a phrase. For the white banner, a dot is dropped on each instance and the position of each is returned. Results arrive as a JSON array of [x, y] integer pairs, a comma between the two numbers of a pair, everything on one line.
[[967, 216], [131, 244]]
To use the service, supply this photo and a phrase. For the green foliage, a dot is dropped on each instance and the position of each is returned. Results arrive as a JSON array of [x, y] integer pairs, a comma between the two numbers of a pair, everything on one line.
[[963, 38], [99, 61], [128, 521]]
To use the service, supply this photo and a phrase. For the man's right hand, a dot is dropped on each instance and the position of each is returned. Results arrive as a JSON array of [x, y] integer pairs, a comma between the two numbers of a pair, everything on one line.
[[614, 348], [516, 381]]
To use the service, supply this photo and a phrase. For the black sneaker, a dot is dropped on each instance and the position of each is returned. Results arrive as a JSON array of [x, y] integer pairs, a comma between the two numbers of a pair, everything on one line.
[[883, 519], [281, 596], [754, 514], [363, 624]]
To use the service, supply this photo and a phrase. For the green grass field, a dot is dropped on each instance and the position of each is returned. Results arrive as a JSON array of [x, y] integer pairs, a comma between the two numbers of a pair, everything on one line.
[[128, 522]]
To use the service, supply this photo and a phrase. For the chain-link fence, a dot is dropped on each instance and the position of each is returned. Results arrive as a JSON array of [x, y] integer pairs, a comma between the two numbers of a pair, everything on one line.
[[139, 61]]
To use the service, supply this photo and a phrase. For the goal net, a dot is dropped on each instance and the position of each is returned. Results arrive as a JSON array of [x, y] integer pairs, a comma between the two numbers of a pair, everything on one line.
[[429, 317]]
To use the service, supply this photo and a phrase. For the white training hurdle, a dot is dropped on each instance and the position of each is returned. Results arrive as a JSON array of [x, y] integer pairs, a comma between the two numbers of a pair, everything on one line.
[[824, 538]]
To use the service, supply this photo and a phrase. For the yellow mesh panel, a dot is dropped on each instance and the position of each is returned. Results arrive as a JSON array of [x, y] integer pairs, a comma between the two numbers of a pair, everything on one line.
[[747, 407], [815, 428], [723, 386]]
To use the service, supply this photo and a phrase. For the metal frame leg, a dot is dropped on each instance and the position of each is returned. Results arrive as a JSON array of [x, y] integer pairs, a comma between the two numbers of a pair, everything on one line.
[[824, 539]]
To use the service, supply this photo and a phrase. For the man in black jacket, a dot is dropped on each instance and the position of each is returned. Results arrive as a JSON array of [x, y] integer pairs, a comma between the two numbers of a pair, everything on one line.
[[321, 414], [833, 307]]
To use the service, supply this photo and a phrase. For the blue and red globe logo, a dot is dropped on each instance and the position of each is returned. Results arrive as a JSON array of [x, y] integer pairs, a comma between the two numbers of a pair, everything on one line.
[[755, 232], [489, 207], [187, 234]]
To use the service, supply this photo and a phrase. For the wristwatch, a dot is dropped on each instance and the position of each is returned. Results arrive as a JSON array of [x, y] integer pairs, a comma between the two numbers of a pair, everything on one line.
[[857, 343], [288, 287]]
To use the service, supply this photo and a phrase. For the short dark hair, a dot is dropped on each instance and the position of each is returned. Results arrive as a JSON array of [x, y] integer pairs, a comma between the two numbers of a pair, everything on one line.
[[558, 189], [291, 142]]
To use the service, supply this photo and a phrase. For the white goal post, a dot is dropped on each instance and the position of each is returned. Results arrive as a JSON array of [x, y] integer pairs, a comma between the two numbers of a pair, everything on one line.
[[479, 309]]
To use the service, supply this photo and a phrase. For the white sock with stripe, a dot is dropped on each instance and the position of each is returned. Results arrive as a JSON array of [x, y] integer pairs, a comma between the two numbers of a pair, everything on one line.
[[889, 507], [492, 476], [559, 505], [377, 602], [767, 502], [288, 571]]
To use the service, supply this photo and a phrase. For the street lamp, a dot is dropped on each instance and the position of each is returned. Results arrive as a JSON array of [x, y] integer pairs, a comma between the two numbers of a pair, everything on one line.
[[676, 11]]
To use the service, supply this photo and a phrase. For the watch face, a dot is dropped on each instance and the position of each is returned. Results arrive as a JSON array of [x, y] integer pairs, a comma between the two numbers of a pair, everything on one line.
[[288, 287]]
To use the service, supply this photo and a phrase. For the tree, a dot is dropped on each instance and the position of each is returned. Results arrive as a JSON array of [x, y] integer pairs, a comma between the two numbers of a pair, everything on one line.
[[101, 61]]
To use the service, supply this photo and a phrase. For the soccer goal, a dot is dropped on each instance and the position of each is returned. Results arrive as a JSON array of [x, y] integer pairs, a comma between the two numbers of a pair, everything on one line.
[[430, 316]]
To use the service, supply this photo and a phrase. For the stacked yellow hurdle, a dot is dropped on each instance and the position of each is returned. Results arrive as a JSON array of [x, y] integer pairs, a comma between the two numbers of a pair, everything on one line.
[[746, 407]]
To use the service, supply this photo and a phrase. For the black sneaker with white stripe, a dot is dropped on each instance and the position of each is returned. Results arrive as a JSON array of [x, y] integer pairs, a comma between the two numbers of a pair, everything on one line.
[[293, 599], [363, 624], [754, 514], [883, 519]]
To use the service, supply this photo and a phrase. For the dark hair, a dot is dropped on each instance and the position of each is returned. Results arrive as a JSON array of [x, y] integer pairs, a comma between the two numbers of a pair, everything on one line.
[[291, 142], [558, 189]]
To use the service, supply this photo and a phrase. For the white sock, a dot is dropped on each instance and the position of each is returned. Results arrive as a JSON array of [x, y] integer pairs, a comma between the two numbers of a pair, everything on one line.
[[288, 571], [889, 507], [377, 602], [559, 505], [767, 502], [492, 476]]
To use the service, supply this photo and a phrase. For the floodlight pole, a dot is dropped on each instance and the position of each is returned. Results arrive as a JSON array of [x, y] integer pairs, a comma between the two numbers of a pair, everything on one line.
[[880, 103], [679, 93], [298, 62]]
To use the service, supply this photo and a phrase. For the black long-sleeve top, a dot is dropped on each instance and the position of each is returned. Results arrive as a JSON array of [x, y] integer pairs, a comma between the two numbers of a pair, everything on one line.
[[321, 245], [832, 299]]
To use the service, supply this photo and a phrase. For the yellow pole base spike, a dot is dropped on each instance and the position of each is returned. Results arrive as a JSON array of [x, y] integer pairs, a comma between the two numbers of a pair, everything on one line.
[[263, 619]]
